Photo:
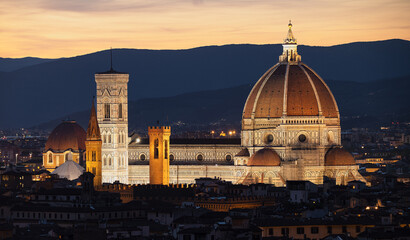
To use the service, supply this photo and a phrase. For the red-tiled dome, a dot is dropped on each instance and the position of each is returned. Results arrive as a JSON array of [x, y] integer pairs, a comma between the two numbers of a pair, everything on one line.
[[302, 90], [67, 135], [243, 153], [264, 157], [338, 157]]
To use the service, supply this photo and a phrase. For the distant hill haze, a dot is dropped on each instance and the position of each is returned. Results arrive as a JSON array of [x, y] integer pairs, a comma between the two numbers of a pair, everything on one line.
[[52, 89], [369, 105]]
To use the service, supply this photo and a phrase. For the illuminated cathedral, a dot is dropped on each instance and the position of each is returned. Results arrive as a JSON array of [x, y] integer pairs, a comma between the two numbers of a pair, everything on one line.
[[290, 131]]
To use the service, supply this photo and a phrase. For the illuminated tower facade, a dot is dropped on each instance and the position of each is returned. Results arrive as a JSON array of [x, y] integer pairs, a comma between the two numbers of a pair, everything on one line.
[[93, 148], [159, 154], [112, 115]]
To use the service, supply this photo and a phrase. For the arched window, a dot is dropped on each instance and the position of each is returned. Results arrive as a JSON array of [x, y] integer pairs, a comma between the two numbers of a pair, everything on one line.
[[120, 110], [94, 156], [109, 160], [50, 158], [68, 156], [107, 111], [156, 151], [166, 149], [109, 138], [105, 161]]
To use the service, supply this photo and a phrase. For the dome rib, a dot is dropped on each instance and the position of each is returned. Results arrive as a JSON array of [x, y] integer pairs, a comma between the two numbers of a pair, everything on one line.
[[250, 101], [285, 90], [265, 102], [328, 101], [319, 105], [301, 100]]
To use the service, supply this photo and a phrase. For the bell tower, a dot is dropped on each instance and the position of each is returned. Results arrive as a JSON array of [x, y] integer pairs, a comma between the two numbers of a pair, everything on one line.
[[112, 116], [93, 148], [159, 154]]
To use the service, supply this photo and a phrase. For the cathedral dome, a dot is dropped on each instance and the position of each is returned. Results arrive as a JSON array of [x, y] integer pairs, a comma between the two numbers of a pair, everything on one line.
[[290, 88], [264, 157], [67, 135], [338, 157]]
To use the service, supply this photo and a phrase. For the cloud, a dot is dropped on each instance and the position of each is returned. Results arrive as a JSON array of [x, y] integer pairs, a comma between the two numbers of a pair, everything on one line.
[[67, 27]]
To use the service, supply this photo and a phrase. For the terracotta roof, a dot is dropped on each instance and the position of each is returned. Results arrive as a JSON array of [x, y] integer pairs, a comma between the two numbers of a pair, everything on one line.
[[338, 157], [243, 153], [306, 94], [67, 135], [301, 99], [264, 157]]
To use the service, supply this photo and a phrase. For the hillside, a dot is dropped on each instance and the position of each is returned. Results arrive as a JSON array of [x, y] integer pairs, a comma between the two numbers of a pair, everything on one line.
[[361, 105], [44, 91]]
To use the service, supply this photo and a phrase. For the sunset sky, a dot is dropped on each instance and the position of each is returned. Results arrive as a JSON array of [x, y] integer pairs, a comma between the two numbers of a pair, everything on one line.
[[65, 28]]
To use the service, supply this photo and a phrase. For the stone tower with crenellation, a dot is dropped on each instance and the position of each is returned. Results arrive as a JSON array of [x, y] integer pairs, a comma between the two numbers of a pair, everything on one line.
[[112, 115], [93, 148], [159, 154]]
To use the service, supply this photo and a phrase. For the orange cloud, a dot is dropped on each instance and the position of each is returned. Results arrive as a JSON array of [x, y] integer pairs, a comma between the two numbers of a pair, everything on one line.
[[48, 28]]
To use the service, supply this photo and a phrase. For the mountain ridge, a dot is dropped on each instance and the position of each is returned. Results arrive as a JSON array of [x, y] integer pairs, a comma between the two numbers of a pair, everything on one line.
[[38, 93], [374, 102]]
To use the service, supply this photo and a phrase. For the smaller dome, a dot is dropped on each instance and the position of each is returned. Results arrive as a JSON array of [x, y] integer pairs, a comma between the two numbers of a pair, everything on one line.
[[338, 157], [243, 153], [264, 157], [67, 135]]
